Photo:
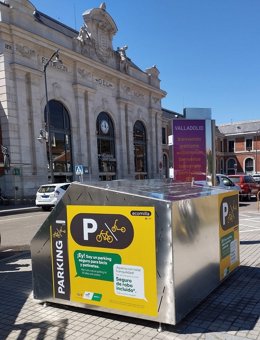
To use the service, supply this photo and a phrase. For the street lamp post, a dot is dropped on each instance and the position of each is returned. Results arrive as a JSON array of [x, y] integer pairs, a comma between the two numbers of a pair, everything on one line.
[[257, 134], [48, 130]]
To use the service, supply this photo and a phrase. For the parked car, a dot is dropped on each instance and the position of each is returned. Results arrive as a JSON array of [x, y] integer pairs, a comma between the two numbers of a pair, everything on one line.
[[48, 195], [248, 186], [223, 181], [256, 177]]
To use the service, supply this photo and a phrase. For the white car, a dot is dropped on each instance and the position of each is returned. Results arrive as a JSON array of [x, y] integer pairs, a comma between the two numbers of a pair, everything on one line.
[[223, 181], [256, 177], [48, 195]]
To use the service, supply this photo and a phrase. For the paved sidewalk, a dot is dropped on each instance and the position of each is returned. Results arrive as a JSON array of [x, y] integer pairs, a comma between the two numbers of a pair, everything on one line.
[[231, 312]]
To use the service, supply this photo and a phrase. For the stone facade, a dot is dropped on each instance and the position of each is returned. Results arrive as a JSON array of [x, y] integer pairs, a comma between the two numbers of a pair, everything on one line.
[[93, 78]]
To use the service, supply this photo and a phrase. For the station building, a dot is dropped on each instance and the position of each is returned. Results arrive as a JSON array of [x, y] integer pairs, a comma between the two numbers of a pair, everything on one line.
[[69, 98]]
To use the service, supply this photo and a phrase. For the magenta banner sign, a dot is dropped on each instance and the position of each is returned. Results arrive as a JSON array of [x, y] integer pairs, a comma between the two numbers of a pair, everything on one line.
[[189, 150]]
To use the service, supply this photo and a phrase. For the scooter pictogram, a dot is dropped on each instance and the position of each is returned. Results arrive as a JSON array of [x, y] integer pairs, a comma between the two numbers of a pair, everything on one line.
[[116, 228]]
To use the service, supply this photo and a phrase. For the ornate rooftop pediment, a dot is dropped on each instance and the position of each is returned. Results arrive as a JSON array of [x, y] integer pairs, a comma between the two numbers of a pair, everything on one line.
[[99, 29]]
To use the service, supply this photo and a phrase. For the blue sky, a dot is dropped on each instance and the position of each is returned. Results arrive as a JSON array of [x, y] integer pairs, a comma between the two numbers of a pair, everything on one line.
[[207, 51]]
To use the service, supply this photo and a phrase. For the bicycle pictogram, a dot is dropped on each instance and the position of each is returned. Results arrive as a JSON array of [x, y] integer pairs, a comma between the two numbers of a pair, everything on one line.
[[58, 233], [103, 235], [232, 216], [116, 228]]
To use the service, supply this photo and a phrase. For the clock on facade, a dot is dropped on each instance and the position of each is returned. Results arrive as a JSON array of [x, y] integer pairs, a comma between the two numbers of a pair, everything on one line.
[[104, 126]]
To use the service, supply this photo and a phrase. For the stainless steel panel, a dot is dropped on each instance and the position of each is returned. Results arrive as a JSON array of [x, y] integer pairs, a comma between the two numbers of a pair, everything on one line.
[[196, 251], [187, 243]]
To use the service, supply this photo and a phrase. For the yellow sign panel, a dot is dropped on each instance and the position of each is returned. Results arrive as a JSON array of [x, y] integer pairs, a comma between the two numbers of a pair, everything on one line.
[[112, 257], [228, 233]]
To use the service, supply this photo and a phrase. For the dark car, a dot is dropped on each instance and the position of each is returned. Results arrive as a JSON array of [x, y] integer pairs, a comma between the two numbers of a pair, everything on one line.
[[247, 184]]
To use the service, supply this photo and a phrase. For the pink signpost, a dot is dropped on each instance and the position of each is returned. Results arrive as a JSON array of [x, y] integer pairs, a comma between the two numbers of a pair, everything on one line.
[[189, 150]]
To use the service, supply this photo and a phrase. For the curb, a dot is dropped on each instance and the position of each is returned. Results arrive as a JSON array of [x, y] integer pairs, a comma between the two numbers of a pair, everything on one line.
[[18, 210]]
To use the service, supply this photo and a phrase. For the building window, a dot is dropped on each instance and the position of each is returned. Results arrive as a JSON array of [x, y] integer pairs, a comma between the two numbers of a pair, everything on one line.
[[249, 144], [231, 166], [60, 133], [222, 170], [221, 146], [164, 135], [231, 146], [249, 165], [106, 147], [140, 150]]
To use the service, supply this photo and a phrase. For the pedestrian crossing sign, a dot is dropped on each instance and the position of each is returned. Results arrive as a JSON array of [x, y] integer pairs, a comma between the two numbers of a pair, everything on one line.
[[79, 169]]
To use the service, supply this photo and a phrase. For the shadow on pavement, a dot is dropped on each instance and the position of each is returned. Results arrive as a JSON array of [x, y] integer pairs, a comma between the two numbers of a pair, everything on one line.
[[233, 306], [15, 288], [12, 251], [250, 242], [244, 204], [41, 329]]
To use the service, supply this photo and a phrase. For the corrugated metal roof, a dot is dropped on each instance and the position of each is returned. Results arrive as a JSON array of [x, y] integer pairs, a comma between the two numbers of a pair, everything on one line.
[[240, 127]]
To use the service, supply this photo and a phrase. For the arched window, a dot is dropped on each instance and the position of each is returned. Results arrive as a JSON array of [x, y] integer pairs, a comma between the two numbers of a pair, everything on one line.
[[140, 150], [249, 165], [231, 166], [60, 132], [106, 147]]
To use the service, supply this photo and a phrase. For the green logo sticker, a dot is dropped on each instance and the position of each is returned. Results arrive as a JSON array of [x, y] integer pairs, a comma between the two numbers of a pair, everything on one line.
[[97, 297], [92, 296]]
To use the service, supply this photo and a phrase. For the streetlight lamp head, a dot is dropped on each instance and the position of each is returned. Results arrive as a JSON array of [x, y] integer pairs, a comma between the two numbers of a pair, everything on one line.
[[57, 60], [40, 139], [43, 136]]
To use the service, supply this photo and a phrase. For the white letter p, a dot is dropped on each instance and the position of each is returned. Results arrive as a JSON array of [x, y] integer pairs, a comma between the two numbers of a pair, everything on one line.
[[89, 227], [225, 212]]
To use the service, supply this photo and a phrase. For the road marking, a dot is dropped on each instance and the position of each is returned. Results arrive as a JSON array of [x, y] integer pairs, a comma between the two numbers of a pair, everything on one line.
[[246, 225], [249, 222], [247, 231], [250, 213], [4, 219], [14, 218]]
